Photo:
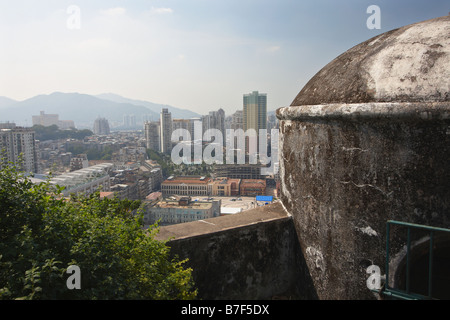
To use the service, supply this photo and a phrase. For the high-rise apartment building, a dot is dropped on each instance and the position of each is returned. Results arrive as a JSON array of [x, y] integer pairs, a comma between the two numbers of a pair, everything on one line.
[[237, 121], [18, 146], [166, 131], [129, 121], [152, 135], [254, 115], [272, 122], [184, 124], [214, 120], [255, 111], [101, 126]]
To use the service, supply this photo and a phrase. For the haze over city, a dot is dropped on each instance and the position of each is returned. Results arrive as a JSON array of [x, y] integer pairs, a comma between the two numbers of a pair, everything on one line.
[[196, 55]]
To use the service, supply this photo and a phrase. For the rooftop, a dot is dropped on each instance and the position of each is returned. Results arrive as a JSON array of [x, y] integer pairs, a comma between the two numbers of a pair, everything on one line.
[[207, 226], [191, 205], [188, 180], [79, 177], [225, 180], [252, 182]]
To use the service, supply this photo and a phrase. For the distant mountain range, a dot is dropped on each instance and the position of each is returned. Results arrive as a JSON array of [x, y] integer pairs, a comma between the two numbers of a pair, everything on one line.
[[6, 102], [83, 109]]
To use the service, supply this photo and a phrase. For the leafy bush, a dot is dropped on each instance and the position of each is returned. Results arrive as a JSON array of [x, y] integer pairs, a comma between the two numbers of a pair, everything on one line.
[[41, 235]]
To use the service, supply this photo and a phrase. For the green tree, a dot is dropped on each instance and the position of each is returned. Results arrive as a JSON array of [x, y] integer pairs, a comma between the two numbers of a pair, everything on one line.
[[41, 235], [54, 133]]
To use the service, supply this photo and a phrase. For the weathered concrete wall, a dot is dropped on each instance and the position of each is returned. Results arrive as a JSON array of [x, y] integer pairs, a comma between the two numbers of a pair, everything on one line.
[[257, 259], [367, 140], [347, 169]]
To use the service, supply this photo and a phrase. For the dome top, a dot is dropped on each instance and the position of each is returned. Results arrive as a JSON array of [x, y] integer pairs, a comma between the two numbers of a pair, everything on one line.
[[409, 64]]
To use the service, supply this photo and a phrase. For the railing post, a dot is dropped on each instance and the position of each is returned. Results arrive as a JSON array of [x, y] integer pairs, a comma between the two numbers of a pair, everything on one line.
[[387, 255], [430, 266], [408, 249]]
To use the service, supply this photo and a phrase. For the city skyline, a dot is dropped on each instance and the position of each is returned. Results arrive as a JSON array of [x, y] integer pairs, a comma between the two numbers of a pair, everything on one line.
[[195, 55]]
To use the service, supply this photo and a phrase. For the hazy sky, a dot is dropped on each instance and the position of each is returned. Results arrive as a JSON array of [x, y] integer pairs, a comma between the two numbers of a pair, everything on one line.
[[200, 55]]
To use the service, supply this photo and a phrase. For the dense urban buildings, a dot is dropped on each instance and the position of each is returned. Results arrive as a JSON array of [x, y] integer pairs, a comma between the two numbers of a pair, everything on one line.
[[122, 167]]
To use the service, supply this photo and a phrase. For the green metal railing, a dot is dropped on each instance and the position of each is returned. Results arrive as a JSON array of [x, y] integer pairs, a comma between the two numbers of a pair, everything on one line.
[[407, 294]]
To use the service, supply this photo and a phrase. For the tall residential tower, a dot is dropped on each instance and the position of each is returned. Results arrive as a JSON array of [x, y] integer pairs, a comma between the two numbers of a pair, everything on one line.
[[254, 116], [152, 135], [255, 111], [166, 131], [101, 126], [20, 148]]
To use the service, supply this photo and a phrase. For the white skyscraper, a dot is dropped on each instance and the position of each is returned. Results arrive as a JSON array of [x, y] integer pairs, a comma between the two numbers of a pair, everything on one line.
[[166, 131]]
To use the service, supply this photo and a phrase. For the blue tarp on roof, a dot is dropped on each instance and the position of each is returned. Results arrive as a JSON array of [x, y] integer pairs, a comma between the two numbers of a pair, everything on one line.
[[264, 198]]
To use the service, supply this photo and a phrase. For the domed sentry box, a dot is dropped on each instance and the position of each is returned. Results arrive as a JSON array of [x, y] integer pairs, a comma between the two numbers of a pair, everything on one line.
[[367, 140]]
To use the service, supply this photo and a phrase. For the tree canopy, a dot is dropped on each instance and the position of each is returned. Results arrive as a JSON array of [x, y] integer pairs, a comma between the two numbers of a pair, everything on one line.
[[54, 133], [41, 235]]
